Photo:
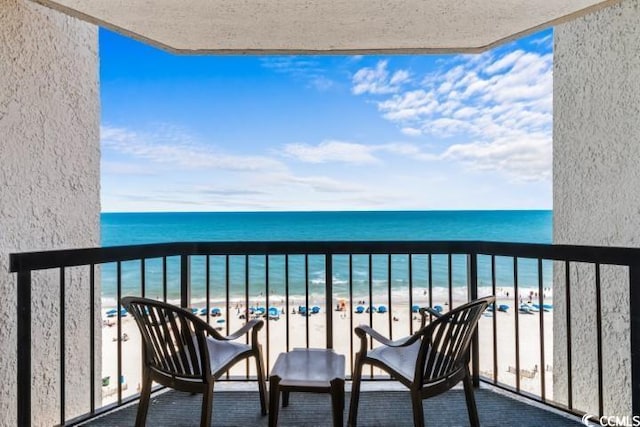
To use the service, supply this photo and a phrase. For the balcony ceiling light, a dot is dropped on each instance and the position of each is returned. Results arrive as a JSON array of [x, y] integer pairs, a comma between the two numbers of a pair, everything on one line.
[[325, 26]]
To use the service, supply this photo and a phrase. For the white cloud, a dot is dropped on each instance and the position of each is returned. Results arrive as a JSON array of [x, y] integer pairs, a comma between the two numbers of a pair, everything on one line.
[[322, 83], [505, 62], [179, 149], [304, 69], [497, 105], [399, 77], [409, 131], [546, 40], [353, 153], [526, 157], [377, 81], [126, 168], [322, 184], [331, 151]]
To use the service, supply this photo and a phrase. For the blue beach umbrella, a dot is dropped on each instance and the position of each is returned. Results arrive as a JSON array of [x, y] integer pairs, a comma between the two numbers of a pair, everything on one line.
[[215, 311], [274, 312], [359, 309], [438, 308], [415, 308], [315, 309], [382, 309], [203, 311]]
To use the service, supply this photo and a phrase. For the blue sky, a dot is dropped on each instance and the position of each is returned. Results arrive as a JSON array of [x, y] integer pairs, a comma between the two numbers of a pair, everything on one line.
[[257, 133]]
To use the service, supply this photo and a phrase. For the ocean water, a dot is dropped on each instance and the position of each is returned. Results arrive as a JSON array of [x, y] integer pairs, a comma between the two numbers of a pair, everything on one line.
[[140, 228]]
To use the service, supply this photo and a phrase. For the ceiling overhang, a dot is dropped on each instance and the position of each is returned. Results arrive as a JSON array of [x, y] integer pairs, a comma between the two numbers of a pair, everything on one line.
[[325, 26]]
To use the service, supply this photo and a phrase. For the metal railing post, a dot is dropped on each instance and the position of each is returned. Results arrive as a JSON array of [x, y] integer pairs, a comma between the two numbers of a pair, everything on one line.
[[185, 281], [472, 283], [328, 268], [634, 314], [24, 348]]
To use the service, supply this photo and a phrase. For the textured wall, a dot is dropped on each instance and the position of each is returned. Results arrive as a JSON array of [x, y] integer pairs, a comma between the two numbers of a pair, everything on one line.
[[596, 177], [49, 191]]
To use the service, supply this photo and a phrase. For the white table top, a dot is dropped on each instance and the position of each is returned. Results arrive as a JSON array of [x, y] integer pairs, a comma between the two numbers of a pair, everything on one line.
[[312, 367]]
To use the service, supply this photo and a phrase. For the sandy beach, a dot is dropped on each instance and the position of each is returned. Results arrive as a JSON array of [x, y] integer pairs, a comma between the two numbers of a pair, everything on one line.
[[274, 340]]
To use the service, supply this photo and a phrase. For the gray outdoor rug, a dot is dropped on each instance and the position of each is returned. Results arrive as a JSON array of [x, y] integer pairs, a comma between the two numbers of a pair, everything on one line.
[[377, 408]]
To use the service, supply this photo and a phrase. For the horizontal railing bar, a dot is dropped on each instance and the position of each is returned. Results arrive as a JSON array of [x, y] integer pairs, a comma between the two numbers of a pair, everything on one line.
[[25, 263], [75, 257]]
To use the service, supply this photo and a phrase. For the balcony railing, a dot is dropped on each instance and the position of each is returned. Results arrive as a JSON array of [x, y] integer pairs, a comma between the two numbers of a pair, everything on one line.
[[283, 281]]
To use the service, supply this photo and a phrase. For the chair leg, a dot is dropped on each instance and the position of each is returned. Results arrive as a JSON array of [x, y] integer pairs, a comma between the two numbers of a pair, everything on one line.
[[274, 390], [418, 412], [471, 401], [337, 401], [355, 393], [145, 396], [262, 388], [207, 405]]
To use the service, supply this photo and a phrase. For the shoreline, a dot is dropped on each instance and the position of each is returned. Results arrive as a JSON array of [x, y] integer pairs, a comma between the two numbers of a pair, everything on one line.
[[439, 295]]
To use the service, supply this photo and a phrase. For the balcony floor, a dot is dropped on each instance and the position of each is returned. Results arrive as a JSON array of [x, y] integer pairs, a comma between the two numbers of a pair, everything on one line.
[[377, 408]]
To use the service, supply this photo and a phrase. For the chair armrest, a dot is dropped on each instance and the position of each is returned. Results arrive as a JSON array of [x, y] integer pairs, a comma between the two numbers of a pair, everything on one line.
[[426, 311], [255, 325], [363, 330]]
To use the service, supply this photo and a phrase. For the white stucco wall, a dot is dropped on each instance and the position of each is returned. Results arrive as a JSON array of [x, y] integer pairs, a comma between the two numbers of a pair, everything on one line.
[[49, 191], [596, 182]]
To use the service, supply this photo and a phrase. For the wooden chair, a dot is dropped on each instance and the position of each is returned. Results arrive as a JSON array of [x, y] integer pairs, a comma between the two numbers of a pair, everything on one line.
[[183, 352], [429, 362]]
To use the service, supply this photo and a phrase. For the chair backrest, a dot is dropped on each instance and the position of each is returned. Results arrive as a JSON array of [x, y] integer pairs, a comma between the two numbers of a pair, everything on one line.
[[446, 340], [174, 338]]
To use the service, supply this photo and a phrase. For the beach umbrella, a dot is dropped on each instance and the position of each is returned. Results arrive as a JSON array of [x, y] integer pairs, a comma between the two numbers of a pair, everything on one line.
[[123, 312], [274, 312], [203, 311], [215, 311], [438, 308], [111, 313], [315, 309], [359, 309], [382, 309], [415, 308]]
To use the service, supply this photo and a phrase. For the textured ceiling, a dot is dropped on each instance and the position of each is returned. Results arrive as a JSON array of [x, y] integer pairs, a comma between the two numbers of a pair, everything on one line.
[[324, 26]]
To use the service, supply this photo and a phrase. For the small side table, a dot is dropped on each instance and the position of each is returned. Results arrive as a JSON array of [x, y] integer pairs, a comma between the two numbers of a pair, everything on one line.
[[307, 370]]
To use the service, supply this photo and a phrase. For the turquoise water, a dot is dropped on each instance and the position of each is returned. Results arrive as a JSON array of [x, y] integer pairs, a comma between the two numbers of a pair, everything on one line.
[[139, 228]]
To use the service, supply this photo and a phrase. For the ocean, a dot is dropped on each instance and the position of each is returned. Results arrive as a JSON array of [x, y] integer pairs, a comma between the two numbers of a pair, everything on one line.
[[532, 226]]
